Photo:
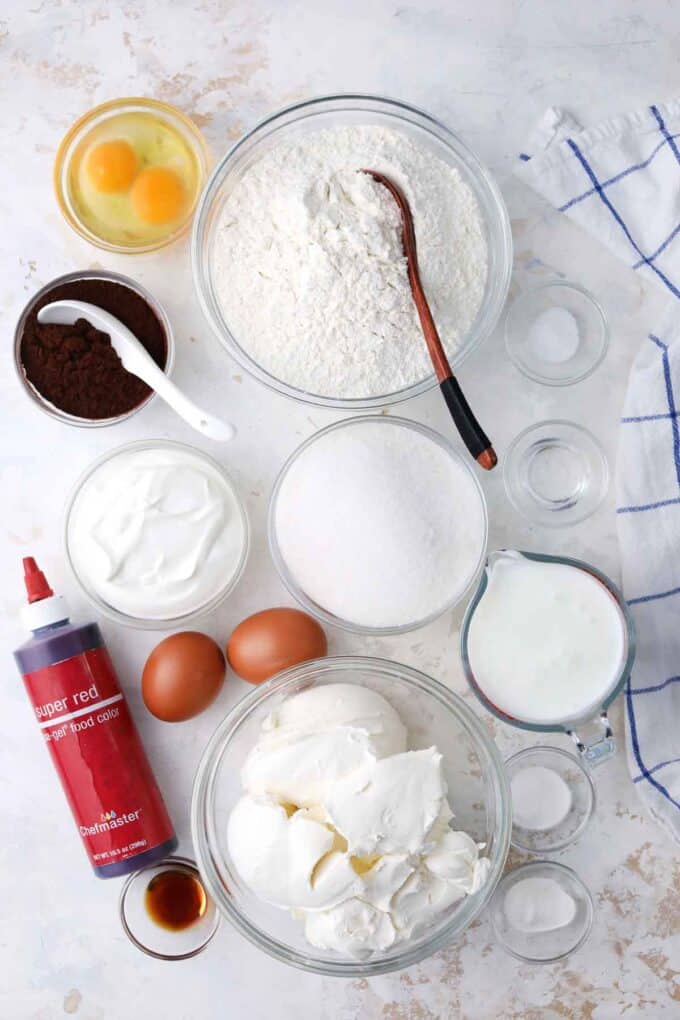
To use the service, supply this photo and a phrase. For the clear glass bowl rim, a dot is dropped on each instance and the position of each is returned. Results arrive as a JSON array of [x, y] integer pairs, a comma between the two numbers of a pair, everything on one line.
[[184, 862], [201, 810], [587, 895], [73, 136], [524, 296], [553, 848], [566, 726], [91, 274], [287, 577], [177, 621], [597, 447], [493, 209]]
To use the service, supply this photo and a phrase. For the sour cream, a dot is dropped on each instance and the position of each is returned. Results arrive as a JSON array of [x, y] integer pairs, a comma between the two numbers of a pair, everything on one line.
[[547, 641], [156, 532]]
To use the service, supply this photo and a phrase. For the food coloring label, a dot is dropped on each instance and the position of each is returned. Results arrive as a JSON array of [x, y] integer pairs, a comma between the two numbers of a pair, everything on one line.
[[98, 755]]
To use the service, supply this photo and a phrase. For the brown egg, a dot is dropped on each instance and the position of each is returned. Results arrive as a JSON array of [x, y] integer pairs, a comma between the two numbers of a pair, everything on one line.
[[273, 640], [182, 676]]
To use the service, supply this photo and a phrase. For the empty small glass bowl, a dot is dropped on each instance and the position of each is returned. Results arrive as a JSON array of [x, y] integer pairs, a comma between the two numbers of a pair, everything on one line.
[[556, 334], [555, 473], [580, 786], [543, 946], [150, 937]]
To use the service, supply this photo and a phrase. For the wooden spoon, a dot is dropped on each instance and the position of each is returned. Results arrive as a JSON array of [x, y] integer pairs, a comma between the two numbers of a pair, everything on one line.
[[469, 428]]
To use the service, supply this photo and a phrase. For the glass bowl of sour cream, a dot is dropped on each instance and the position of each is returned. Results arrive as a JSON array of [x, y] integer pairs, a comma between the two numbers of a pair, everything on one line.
[[433, 715], [156, 534]]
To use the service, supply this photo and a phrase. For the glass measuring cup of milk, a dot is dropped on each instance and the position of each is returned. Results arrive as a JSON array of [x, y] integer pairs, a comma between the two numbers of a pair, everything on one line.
[[548, 649]]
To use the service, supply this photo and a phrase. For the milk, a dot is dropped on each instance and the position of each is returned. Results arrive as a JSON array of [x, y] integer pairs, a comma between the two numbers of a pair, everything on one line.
[[547, 641]]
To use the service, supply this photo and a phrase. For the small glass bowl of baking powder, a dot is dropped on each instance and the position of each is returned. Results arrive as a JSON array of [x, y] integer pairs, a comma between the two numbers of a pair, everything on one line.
[[553, 799], [541, 912], [557, 333], [59, 288]]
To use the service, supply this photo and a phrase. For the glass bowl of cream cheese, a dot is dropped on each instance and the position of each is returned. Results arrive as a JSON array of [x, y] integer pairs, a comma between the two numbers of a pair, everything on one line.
[[297, 257], [397, 886], [156, 534]]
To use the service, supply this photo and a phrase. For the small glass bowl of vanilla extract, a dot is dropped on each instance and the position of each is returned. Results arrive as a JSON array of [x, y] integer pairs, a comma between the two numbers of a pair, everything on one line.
[[166, 912]]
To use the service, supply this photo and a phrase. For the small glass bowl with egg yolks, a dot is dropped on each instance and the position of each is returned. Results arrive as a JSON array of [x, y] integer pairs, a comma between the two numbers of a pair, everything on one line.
[[128, 174]]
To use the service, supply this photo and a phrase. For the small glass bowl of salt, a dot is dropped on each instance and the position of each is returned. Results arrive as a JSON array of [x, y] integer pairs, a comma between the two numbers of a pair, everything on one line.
[[556, 334], [541, 912], [553, 799]]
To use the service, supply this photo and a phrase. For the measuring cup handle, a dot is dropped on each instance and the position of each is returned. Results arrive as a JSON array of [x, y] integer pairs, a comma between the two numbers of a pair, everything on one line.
[[597, 751]]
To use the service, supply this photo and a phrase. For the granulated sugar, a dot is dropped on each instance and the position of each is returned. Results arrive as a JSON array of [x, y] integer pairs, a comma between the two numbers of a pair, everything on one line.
[[378, 525], [309, 267]]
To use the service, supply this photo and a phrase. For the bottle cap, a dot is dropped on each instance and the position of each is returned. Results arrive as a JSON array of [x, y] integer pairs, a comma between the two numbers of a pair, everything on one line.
[[44, 607], [37, 587]]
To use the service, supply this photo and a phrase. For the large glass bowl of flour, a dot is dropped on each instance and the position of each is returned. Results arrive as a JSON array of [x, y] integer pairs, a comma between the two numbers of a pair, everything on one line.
[[274, 244], [433, 715]]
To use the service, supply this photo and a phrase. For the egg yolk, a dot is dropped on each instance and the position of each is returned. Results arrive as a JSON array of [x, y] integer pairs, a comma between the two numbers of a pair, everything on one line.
[[111, 166], [157, 195]]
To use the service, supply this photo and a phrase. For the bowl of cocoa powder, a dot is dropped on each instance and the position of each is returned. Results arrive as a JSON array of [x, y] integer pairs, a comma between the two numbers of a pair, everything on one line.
[[73, 372]]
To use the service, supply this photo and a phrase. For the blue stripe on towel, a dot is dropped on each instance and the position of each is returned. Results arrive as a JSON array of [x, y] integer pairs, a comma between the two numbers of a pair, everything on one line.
[[655, 687], [598, 188], [619, 176], [654, 597], [671, 401], [648, 506], [660, 249], [661, 765], [664, 131], [644, 772], [646, 417]]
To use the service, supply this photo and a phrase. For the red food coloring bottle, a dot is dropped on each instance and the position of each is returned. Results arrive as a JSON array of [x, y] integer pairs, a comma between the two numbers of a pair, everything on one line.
[[90, 735]]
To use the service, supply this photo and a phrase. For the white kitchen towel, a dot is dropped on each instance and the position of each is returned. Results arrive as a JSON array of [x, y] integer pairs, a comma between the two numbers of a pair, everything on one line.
[[621, 182]]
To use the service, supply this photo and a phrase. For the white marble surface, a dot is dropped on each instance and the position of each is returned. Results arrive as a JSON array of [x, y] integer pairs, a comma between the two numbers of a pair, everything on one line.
[[488, 70]]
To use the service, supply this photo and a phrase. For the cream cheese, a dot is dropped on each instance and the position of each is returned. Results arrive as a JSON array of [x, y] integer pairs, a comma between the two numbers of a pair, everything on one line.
[[391, 804], [288, 861], [327, 706], [345, 827], [156, 532], [353, 928]]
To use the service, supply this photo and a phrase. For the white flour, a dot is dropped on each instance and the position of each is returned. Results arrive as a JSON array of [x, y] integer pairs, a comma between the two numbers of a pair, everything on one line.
[[309, 267]]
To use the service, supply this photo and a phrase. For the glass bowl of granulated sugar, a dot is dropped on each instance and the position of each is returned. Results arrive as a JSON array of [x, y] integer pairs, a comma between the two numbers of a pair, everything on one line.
[[377, 525], [298, 260]]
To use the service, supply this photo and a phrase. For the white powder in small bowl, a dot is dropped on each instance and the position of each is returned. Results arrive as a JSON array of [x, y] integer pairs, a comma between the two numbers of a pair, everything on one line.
[[379, 525], [535, 905], [540, 798]]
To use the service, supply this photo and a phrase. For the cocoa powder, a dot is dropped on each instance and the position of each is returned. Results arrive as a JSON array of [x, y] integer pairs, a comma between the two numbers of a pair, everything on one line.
[[75, 367]]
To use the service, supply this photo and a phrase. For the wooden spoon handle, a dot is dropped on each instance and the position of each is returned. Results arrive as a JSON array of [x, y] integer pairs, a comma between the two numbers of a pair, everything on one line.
[[470, 430]]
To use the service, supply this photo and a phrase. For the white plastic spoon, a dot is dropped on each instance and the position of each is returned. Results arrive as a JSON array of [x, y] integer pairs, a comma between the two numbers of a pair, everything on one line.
[[139, 362]]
